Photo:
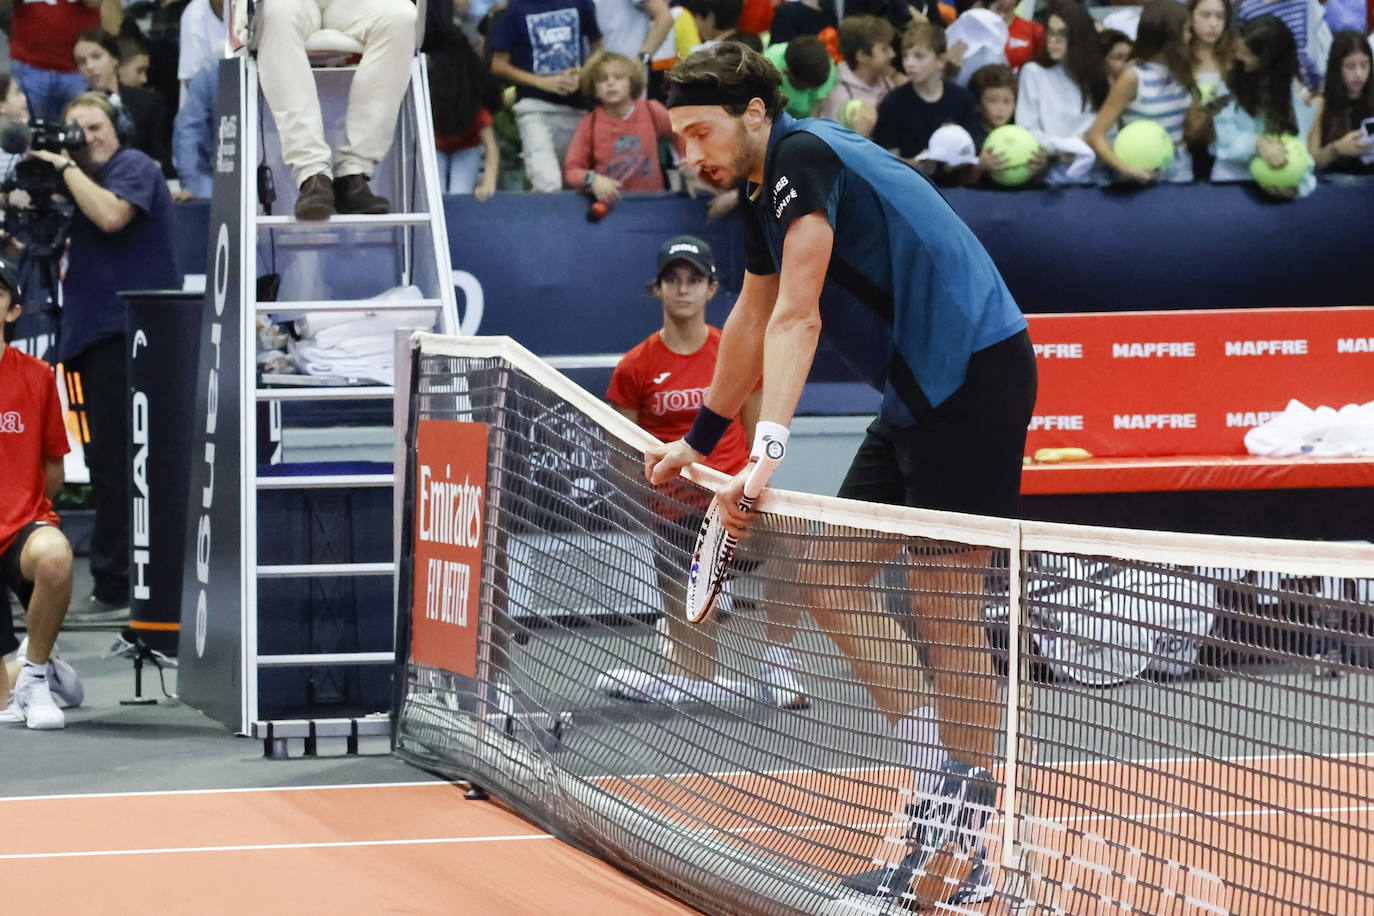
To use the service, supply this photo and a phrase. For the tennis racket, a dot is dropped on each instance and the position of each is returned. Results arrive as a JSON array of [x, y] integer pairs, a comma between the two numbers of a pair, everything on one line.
[[716, 546]]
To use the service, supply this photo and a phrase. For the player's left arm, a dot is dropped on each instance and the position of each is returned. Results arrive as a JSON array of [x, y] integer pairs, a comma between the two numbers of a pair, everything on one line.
[[789, 344]]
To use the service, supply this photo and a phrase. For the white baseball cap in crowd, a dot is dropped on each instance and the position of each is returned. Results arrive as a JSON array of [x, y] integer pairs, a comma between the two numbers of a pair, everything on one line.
[[950, 144]]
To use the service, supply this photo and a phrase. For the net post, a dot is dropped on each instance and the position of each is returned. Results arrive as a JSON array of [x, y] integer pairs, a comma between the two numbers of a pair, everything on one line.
[[1010, 775]]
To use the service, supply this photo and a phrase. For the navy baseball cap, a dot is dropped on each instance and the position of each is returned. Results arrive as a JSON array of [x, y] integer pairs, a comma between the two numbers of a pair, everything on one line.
[[9, 278], [687, 248]]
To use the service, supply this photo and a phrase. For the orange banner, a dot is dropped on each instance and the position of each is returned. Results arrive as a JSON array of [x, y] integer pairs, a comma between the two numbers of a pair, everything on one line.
[[1127, 384], [450, 507]]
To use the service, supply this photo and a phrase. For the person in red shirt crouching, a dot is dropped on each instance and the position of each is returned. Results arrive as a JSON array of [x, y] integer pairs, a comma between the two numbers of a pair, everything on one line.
[[660, 385], [35, 557]]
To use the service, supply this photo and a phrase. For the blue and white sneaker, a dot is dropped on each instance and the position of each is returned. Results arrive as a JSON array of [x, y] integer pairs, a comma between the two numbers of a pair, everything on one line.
[[954, 815]]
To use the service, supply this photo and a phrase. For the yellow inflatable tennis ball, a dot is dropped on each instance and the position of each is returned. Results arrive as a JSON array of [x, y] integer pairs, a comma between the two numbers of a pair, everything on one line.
[[1144, 145], [1291, 174], [850, 111], [1016, 146]]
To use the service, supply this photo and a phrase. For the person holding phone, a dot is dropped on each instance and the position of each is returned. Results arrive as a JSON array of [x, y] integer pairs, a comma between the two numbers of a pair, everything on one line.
[[1342, 136]]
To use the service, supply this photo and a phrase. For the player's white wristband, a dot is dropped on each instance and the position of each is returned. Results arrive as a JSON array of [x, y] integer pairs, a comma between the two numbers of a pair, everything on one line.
[[770, 440]]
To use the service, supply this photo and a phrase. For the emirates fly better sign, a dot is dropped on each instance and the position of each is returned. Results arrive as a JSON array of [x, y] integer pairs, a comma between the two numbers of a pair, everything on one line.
[[450, 501]]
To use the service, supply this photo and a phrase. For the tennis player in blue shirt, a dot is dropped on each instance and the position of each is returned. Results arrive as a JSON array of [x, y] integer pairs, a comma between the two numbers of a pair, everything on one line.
[[845, 240]]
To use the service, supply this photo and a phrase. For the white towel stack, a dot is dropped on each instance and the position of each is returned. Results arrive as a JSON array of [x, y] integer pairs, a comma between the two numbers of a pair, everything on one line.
[[356, 344], [1322, 433]]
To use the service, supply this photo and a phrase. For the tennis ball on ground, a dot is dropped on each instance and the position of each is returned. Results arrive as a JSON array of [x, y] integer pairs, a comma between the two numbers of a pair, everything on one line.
[[1016, 146], [1292, 172], [1144, 145]]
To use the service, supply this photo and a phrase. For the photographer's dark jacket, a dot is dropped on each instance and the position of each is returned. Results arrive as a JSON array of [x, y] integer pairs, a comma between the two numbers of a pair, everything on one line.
[[139, 256]]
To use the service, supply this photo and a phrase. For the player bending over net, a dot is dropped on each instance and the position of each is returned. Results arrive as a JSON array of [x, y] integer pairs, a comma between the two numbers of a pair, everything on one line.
[[658, 385], [915, 305]]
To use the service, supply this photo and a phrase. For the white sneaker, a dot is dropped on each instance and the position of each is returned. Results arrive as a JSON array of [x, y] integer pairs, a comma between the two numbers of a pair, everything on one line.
[[781, 687], [33, 697], [641, 686], [9, 713], [62, 676]]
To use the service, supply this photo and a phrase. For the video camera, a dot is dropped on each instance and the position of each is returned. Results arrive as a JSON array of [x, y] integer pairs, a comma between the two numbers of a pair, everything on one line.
[[41, 224]]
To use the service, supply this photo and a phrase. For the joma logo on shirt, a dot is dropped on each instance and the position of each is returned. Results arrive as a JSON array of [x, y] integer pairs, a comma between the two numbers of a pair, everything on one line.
[[682, 399], [11, 422]]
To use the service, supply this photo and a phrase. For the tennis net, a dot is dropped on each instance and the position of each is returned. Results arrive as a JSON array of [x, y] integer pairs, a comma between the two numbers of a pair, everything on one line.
[[893, 708]]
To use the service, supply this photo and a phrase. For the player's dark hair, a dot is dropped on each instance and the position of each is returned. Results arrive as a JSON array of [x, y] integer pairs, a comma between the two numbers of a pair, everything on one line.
[[863, 33], [1082, 61], [1340, 113], [991, 76], [1160, 39], [807, 61], [1262, 78], [925, 35], [734, 72]]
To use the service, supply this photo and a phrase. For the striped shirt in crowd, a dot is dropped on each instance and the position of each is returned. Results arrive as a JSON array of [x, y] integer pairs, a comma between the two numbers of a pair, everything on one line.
[[1161, 98]]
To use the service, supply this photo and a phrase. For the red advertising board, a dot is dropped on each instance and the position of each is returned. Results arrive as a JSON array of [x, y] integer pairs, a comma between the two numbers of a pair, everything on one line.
[[1128, 384], [450, 509]]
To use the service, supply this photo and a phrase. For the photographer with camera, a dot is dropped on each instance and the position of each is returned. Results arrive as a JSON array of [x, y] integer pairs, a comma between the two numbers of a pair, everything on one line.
[[121, 239]]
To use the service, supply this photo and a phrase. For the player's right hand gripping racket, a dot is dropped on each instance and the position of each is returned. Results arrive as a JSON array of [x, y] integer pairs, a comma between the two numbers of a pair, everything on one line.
[[716, 546]]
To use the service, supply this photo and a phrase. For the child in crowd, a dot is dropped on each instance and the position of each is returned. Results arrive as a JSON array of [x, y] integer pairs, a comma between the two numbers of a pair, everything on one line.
[[808, 74], [866, 74], [1212, 45], [793, 18], [463, 132], [141, 113], [1337, 140], [615, 148], [1268, 99], [911, 113], [540, 46], [133, 62], [1305, 21], [1116, 47], [994, 92], [657, 385], [1061, 92], [1157, 85]]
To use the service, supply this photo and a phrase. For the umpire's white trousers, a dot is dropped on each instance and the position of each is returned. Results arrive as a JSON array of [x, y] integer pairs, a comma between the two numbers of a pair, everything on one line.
[[385, 29]]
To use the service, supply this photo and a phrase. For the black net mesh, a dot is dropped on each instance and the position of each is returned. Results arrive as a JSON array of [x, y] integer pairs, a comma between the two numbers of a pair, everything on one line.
[[870, 722]]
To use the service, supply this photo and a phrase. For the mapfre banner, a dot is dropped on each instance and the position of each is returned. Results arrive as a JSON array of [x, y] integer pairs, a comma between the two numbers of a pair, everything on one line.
[[1128, 384], [450, 507]]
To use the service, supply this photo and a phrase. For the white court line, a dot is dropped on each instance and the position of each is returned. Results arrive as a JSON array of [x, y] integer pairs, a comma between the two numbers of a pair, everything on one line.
[[877, 769], [1176, 815], [154, 792], [270, 846]]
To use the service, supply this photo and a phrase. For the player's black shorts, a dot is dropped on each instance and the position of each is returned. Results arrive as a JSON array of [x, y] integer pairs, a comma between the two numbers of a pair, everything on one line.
[[966, 454], [12, 577]]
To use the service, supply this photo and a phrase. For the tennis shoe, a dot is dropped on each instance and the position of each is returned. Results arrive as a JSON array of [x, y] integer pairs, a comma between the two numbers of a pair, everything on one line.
[[33, 698], [977, 887], [9, 713], [780, 686], [641, 686], [954, 815], [62, 677]]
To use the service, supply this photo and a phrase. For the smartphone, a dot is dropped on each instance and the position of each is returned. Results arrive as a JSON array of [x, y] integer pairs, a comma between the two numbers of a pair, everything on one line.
[[1367, 125]]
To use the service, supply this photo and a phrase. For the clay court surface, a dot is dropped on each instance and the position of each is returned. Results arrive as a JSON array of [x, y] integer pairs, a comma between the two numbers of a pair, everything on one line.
[[407, 848]]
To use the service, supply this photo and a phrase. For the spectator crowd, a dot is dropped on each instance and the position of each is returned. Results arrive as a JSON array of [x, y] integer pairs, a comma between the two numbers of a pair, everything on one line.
[[566, 94]]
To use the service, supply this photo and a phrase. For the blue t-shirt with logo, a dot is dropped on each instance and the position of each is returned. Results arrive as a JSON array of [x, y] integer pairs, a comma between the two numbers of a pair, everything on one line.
[[139, 256], [547, 37], [910, 293]]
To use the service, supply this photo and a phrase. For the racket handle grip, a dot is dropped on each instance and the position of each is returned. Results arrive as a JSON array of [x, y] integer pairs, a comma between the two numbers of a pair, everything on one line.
[[758, 477]]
